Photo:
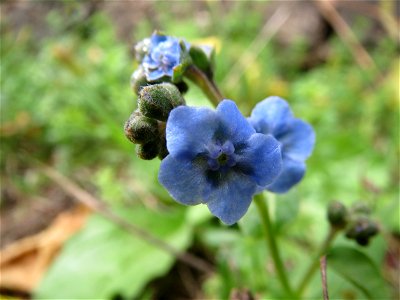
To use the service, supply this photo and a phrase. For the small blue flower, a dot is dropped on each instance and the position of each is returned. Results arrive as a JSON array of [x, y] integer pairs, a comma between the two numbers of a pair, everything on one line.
[[163, 55], [273, 117], [217, 158]]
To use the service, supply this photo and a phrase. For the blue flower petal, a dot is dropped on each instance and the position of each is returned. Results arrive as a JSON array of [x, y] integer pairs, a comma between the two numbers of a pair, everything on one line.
[[163, 55], [292, 172], [271, 116], [261, 159], [230, 200], [158, 38], [149, 63], [298, 140], [237, 127], [190, 130], [183, 179], [152, 75]]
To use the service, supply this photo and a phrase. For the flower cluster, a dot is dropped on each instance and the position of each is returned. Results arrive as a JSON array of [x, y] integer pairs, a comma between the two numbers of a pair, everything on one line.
[[218, 158], [356, 221], [146, 125]]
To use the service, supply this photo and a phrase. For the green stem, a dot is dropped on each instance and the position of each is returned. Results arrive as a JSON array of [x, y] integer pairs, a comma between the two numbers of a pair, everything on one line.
[[262, 206], [205, 84], [315, 262]]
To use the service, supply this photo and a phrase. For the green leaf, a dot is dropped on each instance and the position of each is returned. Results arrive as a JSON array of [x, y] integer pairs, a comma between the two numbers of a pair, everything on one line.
[[287, 208], [357, 268], [103, 260]]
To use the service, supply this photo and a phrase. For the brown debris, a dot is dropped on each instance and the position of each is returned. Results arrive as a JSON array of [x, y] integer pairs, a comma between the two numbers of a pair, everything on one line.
[[23, 263]]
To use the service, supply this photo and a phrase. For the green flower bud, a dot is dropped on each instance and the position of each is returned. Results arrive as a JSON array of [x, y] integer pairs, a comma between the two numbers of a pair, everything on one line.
[[360, 208], [203, 57], [140, 129], [148, 151], [337, 214], [361, 230], [156, 101], [372, 229]]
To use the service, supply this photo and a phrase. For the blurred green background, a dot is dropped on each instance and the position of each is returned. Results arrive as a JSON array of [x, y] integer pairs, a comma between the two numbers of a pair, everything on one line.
[[65, 95]]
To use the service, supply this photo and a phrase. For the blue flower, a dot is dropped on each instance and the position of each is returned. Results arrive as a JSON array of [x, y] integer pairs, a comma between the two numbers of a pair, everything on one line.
[[217, 158], [163, 55], [273, 117]]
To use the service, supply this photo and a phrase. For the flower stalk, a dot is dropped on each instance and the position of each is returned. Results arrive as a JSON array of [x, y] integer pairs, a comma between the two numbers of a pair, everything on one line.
[[208, 86], [263, 210]]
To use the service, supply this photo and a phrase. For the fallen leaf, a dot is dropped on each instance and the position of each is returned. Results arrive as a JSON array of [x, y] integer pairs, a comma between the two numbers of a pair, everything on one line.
[[23, 263]]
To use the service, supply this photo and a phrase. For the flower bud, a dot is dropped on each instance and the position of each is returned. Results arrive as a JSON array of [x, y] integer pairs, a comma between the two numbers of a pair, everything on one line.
[[182, 87], [156, 101], [140, 129], [361, 230], [360, 208], [337, 214], [148, 151], [203, 57]]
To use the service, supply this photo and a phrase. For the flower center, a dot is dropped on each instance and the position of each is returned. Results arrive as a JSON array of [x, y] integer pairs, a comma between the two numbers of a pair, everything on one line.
[[221, 157]]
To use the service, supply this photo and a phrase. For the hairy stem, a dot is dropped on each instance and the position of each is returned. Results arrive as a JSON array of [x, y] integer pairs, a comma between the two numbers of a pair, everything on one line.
[[205, 84], [262, 206]]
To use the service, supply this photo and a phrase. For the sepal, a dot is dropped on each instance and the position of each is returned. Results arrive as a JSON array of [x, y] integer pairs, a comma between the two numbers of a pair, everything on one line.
[[362, 230], [337, 214], [361, 227], [203, 57], [185, 62], [148, 151], [140, 129]]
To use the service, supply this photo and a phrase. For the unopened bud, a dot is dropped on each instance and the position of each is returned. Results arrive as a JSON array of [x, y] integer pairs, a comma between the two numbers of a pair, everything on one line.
[[156, 101], [337, 214], [360, 208], [361, 230], [203, 57], [140, 129], [148, 151]]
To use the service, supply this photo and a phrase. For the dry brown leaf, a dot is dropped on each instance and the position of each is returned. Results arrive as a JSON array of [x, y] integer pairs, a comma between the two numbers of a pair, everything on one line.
[[23, 263]]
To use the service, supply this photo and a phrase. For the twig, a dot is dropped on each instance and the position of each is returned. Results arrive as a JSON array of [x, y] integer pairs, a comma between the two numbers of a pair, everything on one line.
[[381, 12], [270, 28], [360, 55], [103, 209], [314, 263], [322, 263]]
